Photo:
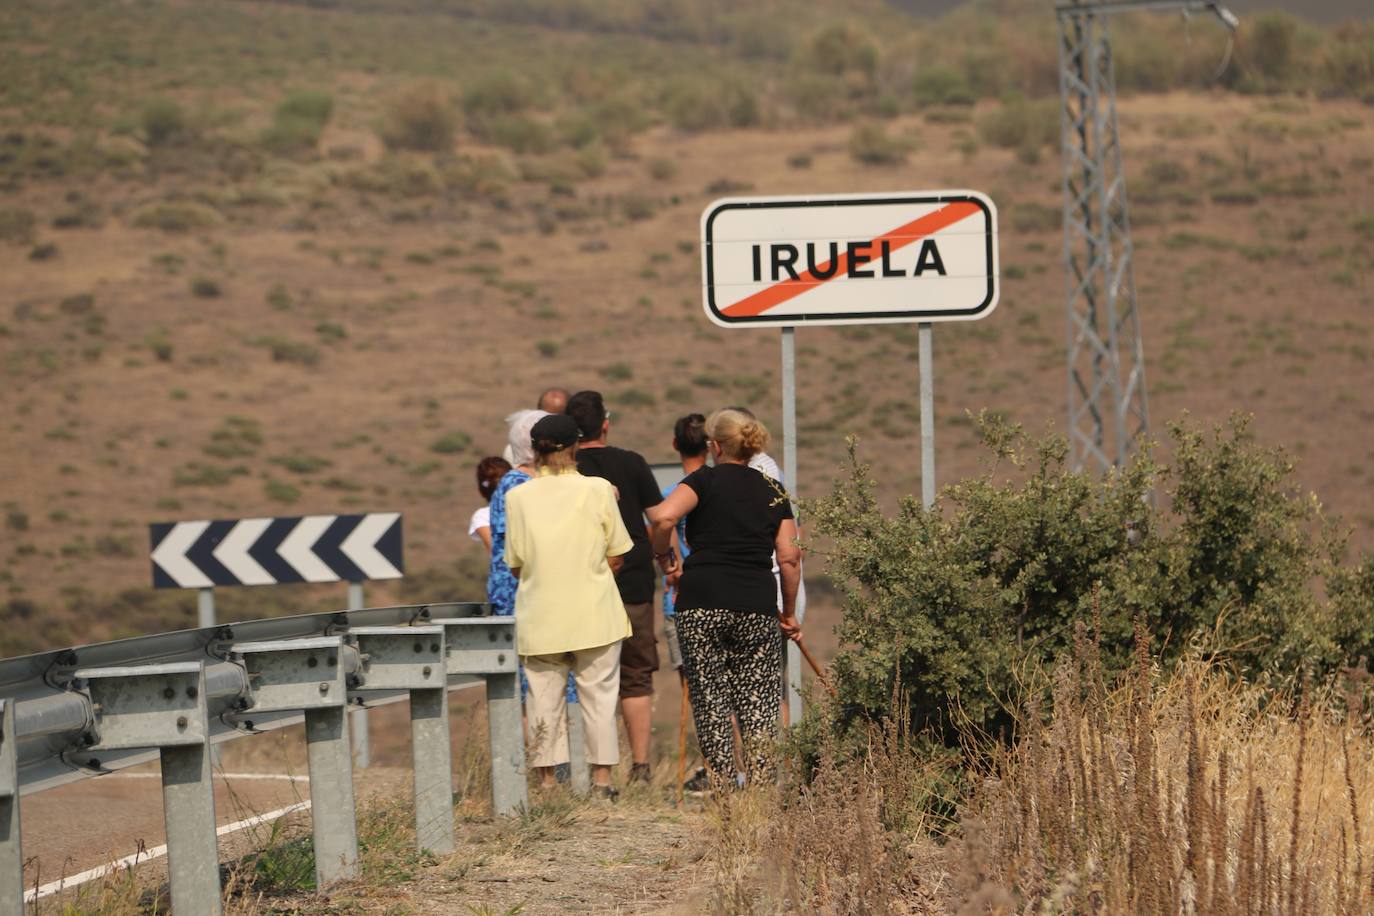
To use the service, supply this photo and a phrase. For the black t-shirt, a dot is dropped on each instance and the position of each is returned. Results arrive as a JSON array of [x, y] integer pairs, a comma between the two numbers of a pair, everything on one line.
[[732, 532], [629, 473]]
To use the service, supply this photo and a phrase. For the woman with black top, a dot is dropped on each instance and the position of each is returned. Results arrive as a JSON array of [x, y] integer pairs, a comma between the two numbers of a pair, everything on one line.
[[728, 621]]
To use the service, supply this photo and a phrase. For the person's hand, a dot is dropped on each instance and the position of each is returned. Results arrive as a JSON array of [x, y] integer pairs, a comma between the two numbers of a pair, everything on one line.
[[669, 563], [791, 627], [672, 578]]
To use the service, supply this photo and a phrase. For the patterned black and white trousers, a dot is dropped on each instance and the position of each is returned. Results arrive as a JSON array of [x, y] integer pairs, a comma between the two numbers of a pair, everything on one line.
[[732, 660]]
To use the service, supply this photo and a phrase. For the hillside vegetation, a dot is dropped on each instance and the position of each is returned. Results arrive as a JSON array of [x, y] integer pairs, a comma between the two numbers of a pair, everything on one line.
[[280, 258]]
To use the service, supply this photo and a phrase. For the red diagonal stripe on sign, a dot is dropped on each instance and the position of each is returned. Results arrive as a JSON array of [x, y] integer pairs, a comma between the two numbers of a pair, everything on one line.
[[898, 238]]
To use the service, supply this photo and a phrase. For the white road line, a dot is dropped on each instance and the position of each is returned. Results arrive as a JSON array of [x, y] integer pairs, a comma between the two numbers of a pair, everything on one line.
[[283, 777], [156, 852]]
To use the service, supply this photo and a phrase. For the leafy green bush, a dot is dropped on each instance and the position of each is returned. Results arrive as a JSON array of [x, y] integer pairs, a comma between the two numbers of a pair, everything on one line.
[[421, 118], [872, 145], [177, 216], [205, 288], [16, 225], [451, 443], [943, 86], [1021, 124], [163, 121], [961, 607], [298, 122]]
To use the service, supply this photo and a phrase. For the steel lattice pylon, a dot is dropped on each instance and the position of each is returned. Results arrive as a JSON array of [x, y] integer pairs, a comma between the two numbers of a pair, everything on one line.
[[1108, 409]]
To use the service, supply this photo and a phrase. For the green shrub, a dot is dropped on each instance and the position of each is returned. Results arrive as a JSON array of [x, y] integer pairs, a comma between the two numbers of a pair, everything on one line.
[[547, 348], [177, 216], [421, 118], [942, 86], [872, 145], [298, 122], [196, 474], [205, 288], [16, 225], [163, 121], [43, 251], [451, 443], [302, 464], [496, 93], [961, 607], [517, 132], [1018, 123], [285, 350], [280, 491]]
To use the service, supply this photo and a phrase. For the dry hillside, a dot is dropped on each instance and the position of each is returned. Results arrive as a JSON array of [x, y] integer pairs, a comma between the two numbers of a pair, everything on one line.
[[196, 329]]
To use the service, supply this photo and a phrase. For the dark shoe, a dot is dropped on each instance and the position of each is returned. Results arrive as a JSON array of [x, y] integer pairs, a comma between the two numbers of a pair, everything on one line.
[[639, 772], [699, 783], [562, 772], [605, 793]]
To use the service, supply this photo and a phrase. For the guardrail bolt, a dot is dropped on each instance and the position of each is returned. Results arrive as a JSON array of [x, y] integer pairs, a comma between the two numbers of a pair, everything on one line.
[[333, 661], [324, 686], [491, 636], [168, 693], [501, 658], [181, 723], [434, 647], [426, 671], [419, 647], [192, 692], [509, 637], [312, 662]]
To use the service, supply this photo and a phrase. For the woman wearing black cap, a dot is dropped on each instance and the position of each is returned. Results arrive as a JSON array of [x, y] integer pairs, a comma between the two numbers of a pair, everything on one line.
[[565, 540]]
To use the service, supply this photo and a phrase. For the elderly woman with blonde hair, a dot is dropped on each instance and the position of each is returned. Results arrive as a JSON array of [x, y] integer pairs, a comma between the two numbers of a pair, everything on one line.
[[729, 622]]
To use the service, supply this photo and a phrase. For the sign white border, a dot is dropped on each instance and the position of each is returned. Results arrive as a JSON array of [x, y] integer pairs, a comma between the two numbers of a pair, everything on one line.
[[916, 314]]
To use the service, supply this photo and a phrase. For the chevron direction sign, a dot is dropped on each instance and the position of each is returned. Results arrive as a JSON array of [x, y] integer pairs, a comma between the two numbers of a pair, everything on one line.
[[271, 551]]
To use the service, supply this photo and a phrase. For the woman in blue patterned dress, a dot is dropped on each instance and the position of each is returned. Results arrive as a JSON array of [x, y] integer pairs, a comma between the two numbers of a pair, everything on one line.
[[501, 584]]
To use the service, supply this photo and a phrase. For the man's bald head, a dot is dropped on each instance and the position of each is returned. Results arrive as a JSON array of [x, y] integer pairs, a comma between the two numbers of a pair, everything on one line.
[[554, 400]]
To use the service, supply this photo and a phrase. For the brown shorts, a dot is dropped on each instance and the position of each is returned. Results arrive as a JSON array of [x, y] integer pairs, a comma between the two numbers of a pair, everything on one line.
[[639, 653]]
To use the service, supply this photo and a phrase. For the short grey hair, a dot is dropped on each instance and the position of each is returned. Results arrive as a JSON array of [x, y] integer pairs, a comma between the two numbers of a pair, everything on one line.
[[521, 422]]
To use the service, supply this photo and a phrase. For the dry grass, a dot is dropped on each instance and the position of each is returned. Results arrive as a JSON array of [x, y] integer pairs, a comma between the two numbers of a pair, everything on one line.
[[1193, 794], [1190, 793]]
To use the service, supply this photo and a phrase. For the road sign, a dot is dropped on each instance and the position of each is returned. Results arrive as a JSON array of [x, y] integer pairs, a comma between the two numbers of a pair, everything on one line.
[[852, 259], [269, 551]]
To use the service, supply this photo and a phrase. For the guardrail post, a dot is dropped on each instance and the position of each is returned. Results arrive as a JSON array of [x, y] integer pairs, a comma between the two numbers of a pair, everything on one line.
[[433, 770], [164, 706], [486, 646], [311, 674], [11, 854], [412, 658]]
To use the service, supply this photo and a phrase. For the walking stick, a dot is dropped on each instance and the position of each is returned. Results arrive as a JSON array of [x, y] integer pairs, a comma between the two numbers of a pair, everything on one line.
[[806, 653]]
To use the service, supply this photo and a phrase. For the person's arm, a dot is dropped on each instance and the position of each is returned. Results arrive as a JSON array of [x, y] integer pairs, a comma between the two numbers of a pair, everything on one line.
[[484, 533], [663, 520], [789, 569], [616, 564]]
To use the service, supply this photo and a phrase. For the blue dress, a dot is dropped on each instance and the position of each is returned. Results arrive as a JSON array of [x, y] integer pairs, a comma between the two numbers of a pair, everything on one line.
[[501, 582]]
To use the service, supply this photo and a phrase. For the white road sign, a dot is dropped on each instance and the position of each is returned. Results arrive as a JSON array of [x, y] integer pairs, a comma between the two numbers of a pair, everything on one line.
[[850, 259]]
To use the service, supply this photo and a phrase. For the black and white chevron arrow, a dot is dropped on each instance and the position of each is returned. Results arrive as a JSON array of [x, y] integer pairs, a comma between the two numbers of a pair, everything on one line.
[[269, 551]]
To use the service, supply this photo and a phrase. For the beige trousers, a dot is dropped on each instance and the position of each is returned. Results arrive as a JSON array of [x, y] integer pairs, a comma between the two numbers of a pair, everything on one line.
[[597, 673]]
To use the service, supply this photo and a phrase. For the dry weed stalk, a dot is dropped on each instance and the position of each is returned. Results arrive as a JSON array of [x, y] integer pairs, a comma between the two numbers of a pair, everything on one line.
[[1122, 801]]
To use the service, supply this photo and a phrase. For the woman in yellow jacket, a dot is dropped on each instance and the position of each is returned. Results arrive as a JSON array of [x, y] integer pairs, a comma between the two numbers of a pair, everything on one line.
[[565, 541]]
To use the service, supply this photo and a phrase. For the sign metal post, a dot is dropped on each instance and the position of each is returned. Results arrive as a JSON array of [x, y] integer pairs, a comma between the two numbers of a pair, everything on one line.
[[918, 256], [789, 471]]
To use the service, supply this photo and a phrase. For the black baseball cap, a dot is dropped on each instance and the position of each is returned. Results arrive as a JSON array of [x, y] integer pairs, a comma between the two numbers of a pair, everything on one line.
[[553, 433]]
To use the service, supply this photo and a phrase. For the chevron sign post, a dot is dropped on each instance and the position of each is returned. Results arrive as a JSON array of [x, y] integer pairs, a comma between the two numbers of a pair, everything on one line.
[[274, 551]]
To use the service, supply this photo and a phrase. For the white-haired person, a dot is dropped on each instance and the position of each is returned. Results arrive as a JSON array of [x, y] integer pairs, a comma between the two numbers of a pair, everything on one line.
[[729, 622], [565, 541], [500, 583]]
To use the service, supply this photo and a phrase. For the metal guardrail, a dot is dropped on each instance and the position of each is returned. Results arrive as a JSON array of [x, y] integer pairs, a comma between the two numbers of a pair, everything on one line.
[[81, 712]]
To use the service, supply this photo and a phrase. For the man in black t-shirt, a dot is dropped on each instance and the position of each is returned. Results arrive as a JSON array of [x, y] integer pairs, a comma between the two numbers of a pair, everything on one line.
[[636, 491]]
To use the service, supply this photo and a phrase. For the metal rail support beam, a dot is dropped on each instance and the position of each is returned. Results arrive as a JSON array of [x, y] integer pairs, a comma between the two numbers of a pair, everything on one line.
[[311, 675], [486, 646], [413, 659], [164, 706], [11, 852], [1108, 413]]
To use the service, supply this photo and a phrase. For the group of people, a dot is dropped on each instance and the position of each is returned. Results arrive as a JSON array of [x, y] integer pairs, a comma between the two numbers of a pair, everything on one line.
[[575, 527]]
